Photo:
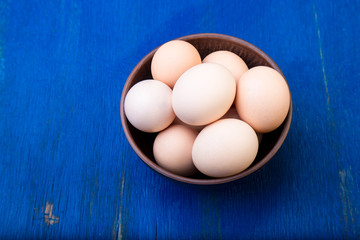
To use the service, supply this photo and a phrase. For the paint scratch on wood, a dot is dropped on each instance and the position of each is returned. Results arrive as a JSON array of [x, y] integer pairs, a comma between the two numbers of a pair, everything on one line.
[[118, 228], [322, 59], [344, 175], [49, 217], [120, 217], [348, 209]]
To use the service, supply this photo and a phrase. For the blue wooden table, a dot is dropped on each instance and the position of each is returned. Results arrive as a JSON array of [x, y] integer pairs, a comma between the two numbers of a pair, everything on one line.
[[67, 170]]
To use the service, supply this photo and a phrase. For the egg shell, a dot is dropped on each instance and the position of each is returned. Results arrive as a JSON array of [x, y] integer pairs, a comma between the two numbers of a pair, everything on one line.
[[232, 113], [172, 59], [173, 149], [224, 148], [262, 98], [203, 94], [230, 60], [148, 106]]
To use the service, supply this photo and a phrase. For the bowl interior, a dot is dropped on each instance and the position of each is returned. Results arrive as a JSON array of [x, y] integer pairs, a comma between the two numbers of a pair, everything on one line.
[[142, 142]]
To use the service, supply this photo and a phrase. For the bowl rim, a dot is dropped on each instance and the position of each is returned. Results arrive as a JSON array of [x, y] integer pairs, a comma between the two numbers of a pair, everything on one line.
[[189, 180]]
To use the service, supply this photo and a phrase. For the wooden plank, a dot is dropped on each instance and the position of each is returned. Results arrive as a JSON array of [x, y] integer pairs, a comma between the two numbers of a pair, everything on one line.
[[68, 171]]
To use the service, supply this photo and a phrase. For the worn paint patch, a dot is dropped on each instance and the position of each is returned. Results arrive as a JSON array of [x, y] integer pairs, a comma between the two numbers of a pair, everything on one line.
[[117, 228], [49, 217], [322, 59], [349, 212], [119, 235]]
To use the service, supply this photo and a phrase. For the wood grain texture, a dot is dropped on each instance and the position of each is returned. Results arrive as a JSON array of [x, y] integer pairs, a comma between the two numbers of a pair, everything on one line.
[[67, 170]]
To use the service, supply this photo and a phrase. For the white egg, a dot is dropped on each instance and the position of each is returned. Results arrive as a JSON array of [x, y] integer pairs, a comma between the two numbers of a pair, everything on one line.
[[225, 148], [203, 94], [148, 107]]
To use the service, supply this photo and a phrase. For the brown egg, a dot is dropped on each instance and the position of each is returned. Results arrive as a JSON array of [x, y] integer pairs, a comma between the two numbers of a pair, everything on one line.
[[230, 60], [173, 149], [262, 98], [172, 59]]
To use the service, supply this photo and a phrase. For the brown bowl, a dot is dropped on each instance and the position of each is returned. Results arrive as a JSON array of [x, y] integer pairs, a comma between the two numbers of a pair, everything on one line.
[[205, 43]]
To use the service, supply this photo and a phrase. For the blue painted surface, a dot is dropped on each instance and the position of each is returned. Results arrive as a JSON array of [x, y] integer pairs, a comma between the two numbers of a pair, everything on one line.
[[67, 170]]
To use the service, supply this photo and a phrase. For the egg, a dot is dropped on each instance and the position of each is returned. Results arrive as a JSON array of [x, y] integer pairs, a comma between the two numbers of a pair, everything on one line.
[[225, 148], [203, 94], [232, 113], [173, 149], [262, 98], [172, 59], [230, 60], [148, 106]]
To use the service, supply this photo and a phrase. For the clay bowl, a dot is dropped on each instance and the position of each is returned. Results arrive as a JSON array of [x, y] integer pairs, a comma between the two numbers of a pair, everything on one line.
[[205, 43]]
